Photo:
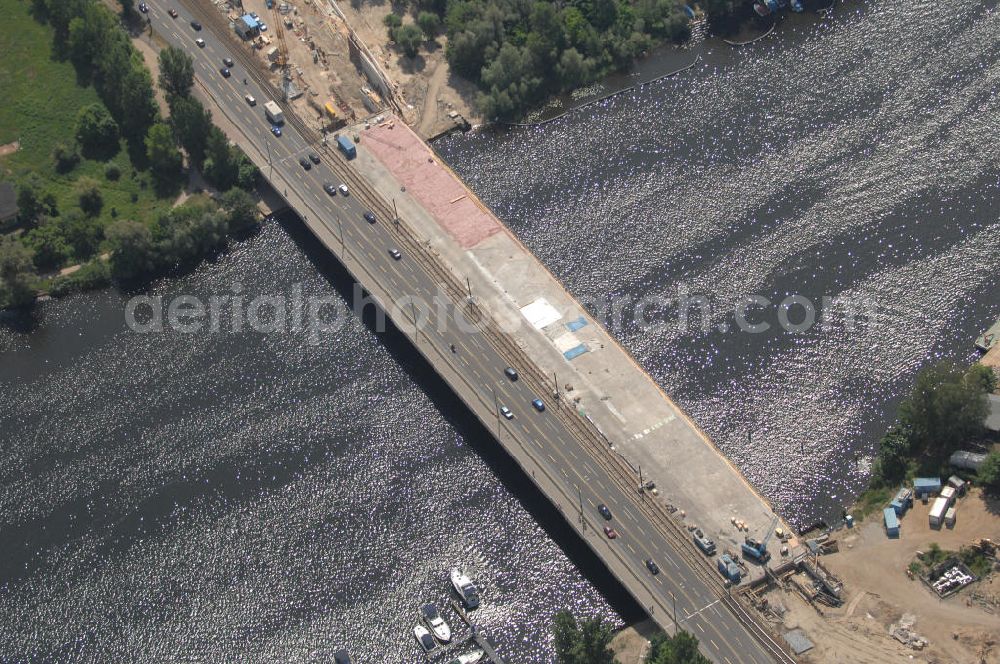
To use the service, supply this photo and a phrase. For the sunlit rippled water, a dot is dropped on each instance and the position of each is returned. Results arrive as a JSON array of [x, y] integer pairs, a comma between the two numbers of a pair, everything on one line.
[[251, 497], [854, 156]]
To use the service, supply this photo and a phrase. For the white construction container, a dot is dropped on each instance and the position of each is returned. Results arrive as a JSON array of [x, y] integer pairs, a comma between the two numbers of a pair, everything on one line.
[[949, 492], [949, 517], [936, 515]]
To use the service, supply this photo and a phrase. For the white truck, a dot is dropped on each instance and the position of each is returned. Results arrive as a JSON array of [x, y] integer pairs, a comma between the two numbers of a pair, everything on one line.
[[273, 113]]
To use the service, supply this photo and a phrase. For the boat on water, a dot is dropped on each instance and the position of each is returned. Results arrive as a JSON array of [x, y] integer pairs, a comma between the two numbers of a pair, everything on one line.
[[341, 657], [465, 588], [470, 657], [424, 638], [435, 623], [989, 338]]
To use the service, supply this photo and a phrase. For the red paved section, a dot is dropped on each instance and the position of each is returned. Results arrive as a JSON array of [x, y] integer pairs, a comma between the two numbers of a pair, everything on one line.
[[435, 187]]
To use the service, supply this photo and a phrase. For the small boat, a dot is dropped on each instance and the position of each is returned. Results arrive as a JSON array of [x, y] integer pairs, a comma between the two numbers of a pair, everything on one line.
[[470, 657], [465, 588], [424, 638], [435, 623]]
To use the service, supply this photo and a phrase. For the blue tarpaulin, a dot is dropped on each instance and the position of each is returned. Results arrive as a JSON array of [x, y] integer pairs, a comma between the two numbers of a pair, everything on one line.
[[575, 325], [575, 351]]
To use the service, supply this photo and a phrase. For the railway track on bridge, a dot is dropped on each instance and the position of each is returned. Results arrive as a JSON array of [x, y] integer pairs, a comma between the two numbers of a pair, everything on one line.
[[591, 438]]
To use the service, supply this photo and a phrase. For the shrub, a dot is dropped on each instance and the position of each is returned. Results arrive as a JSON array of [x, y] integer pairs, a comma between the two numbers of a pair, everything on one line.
[[89, 193], [91, 275], [392, 21], [112, 172], [65, 157]]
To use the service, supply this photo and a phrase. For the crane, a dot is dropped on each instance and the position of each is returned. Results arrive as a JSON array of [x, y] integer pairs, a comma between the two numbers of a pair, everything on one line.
[[282, 60], [757, 550]]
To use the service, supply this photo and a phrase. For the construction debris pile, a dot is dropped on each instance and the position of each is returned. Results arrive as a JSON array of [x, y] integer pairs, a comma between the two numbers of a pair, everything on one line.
[[903, 632]]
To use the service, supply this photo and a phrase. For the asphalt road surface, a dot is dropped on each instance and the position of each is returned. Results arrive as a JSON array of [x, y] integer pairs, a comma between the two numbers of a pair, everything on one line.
[[677, 591]]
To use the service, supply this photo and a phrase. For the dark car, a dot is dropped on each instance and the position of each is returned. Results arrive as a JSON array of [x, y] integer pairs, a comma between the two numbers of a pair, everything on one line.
[[304, 163], [276, 131], [143, 8], [610, 532], [510, 372], [395, 254], [172, 12], [227, 61], [652, 567], [369, 217], [538, 404], [605, 512], [330, 188], [313, 157], [196, 25], [225, 72]]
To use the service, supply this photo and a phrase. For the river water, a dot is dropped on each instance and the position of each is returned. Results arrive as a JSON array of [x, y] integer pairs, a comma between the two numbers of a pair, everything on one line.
[[257, 497]]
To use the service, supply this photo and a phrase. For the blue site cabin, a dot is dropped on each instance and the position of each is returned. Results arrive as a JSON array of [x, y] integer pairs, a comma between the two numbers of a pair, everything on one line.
[[903, 501], [925, 486], [347, 147], [891, 522]]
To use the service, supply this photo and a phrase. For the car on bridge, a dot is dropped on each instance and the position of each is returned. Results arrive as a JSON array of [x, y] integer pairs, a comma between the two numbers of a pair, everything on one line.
[[251, 100], [172, 12], [505, 411], [304, 163], [343, 189], [653, 568], [276, 130], [196, 25], [395, 254], [538, 404], [225, 72], [227, 61], [200, 42], [610, 532], [369, 217], [313, 157], [143, 7], [510, 372], [329, 188], [605, 512]]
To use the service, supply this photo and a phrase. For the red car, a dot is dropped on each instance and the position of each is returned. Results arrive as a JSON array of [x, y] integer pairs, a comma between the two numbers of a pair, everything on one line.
[[172, 12], [610, 532]]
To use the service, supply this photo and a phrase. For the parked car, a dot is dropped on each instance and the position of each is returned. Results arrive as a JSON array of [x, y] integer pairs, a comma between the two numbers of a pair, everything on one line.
[[251, 100], [369, 217], [343, 189], [538, 404], [276, 130], [227, 61], [313, 157], [505, 411], [395, 254], [510, 372], [329, 188], [652, 567], [610, 532], [605, 512], [225, 72], [172, 12], [196, 25], [304, 163], [263, 27]]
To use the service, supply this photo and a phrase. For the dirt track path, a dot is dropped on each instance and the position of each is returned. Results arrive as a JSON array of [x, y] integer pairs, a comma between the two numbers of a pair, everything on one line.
[[428, 114]]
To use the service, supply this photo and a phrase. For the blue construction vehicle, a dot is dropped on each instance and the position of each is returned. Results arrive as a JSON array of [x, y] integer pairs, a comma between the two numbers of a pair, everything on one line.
[[756, 550]]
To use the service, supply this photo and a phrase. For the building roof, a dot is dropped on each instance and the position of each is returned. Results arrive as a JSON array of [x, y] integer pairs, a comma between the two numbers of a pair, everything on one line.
[[250, 21], [993, 416], [8, 201]]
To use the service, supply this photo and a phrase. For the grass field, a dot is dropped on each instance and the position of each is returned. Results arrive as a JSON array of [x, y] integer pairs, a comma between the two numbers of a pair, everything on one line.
[[41, 99]]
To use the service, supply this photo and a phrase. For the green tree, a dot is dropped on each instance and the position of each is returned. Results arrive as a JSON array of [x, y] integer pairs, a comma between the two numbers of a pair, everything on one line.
[[682, 648], [176, 72], [429, 23], [29, 204], [989, 472], [573, 68], [96, 131], [16, 278], [984, 376], [164, 158], [221, 165], [581, 642], [192, 124], [48, 245], [893, 455], [133, 253], [241, 210], [65, 157], [392, 21], [946, 408], [82, 232], [88, 192], [409, 37]]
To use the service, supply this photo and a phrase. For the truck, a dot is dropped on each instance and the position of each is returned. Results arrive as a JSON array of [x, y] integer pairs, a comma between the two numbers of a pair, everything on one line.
[[706, 545], [728, 568], [273, 113], [347, 147]]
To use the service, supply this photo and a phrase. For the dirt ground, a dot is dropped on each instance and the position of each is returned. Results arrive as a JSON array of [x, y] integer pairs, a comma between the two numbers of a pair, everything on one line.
[[631, 644], [426, 80], [878, 592]]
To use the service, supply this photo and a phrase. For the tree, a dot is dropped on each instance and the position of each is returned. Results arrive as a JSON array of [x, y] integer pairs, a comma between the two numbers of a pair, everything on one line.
[[221, 166], [192, 124], [573, 68], [430, 23], [16, 288], [392, 21], [583, 642], [241, 210], [164, 158], [88, 192], [984, 376], [989, 472], [96, 131], [65, 157], [176, 72], [682, 648], [83, 233], [29, 204], [946, 408], [133, 252], [49, 246], [893, 455], [409, 37]]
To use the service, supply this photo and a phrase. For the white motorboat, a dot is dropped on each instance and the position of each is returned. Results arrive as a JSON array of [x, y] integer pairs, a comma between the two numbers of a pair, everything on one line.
[[470, 657], [424, 638], [465, 588], [435, 623]]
